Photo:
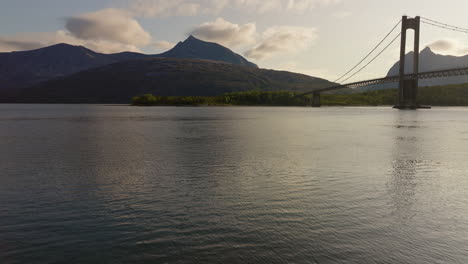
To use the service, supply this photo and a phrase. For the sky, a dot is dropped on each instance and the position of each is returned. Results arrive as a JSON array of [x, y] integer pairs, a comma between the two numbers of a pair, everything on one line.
[[322, 38]]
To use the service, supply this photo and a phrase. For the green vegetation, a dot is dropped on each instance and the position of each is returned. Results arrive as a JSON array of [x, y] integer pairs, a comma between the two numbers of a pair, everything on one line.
[[449, 95], [281, 98], [372, 98], [149, 100]]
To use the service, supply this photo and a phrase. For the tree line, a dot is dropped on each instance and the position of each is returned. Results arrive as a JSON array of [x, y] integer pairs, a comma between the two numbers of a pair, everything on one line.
[[448, 95]]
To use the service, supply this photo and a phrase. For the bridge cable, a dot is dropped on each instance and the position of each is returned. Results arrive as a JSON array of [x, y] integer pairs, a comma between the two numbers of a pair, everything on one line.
[[367, 56], [373, 59], [443, 25], [439, 26]]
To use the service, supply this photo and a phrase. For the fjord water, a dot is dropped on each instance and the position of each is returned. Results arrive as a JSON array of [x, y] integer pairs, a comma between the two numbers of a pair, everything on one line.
[[121, 184]]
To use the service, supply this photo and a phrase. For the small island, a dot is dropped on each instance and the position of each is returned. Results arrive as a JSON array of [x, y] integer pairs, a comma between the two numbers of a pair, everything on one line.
[[447, 95]]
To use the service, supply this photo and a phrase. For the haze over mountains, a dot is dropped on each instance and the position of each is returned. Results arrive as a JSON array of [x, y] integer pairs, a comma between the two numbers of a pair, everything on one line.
[[428, 61], [64, 73]]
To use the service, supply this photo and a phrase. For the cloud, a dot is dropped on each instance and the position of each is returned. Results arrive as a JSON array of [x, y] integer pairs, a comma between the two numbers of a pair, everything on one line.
[[107, 31], [114, 25], [448, 47], [296, 6], [226, 33], [282, 39], [163, 45], [260, 6], [442, 45], [275, 40], [165, 8], [29, 41], [9, 44]]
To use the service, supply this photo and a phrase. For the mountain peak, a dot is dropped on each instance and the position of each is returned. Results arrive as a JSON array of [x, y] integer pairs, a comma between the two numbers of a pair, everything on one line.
[[194, 48], [63, 46], [64, 49], [191, 38], [427, 50], [430, 61]]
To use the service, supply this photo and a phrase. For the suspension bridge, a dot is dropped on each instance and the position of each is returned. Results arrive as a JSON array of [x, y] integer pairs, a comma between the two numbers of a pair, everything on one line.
[[407, 83]]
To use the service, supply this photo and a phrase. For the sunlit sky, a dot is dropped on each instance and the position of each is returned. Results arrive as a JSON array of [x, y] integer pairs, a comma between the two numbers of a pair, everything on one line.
[[323, 38]]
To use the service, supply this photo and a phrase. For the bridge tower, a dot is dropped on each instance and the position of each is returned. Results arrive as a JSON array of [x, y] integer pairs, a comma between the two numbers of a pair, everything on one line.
[[408, 88]]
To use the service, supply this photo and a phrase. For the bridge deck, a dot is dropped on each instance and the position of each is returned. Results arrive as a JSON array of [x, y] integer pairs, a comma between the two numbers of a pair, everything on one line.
[[392, 79]]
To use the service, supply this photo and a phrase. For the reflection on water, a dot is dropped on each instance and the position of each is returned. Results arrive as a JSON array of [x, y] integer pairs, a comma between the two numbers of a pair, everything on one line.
[[105, 184], [402, 185]]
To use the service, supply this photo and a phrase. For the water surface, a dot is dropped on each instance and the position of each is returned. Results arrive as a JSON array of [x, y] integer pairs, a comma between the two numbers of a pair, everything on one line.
[[120, 184]]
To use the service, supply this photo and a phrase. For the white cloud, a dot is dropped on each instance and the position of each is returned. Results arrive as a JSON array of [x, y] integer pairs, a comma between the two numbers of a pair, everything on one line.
[[107, 31], [275, 40], [226, 33], [282, 39], [163, 45], [114, 25], [442, 45], [448, 47], [18, 43], [30, 41]]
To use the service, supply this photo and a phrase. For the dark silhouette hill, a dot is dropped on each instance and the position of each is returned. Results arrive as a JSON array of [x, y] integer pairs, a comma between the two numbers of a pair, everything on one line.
[[26, 68], [23, 68], [119, 82], [193, 48]]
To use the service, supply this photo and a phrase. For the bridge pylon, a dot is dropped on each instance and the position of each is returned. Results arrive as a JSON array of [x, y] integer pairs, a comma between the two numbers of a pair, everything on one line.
[[408, 86]]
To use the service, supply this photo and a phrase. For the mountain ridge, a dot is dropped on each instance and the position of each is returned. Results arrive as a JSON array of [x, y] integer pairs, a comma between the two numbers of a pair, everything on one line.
[[119, 82], [428, 61], [25, 68], [193, 48]]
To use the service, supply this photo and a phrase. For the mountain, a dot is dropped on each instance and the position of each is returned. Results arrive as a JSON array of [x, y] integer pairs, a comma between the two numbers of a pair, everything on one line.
[[428, 61], [193, 48], [18, 69], [119, 82], [26, 68]]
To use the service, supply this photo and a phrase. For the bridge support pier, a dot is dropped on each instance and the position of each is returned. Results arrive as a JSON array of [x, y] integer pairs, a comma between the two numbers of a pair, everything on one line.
[[408, 88], [407, 98], [316, 99]]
